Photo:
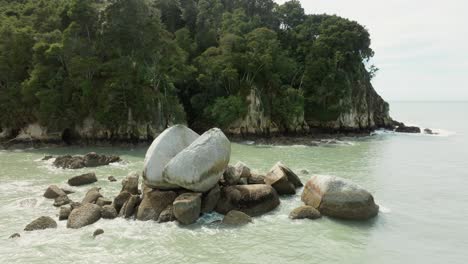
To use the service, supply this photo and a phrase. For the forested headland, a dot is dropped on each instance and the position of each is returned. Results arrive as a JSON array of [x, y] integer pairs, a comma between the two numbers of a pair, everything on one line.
[[130, 68]]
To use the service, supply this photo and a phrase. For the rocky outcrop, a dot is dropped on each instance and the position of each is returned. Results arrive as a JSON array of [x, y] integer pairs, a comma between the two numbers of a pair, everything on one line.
[[200, 166], [402, 128], [83, 179], [40, 223], [187, 208], [236, 218], [84, 215], [165, 147], [89, 160], [304, 212], [53, 191], [254, 200], [283, 179], [340, 198]]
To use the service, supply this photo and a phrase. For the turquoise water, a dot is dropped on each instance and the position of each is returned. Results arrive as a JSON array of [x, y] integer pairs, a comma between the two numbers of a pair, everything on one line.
[[418, 180]]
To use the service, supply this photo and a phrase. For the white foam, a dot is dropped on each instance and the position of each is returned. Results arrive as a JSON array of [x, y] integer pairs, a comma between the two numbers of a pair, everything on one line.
[[384, 209]]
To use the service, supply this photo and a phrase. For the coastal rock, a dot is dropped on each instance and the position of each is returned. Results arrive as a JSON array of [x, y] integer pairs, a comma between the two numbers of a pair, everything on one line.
[[340, 198], [92, 195], [256, 179], [408, 129], [254, 200], [187, 208], [101, 201], [89, 160], [230, 175], [165, 147], [210, 199], [64, 212], [283, 179], [201, 165], [61, 200], [167, 215], [153, 203], [236, 218], [74, 205], [130, 183], [130, 206], [15, 235], [40, 223], [108, 212], [429, 131], [305, 211], [83, 179], [120, 200], [47, 157], [112, 179], [84, 215], [98, 232], [53, 191], [242, 170]]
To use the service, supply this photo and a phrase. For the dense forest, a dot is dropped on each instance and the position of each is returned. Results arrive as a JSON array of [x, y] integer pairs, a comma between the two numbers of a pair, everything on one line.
[[127, 63]]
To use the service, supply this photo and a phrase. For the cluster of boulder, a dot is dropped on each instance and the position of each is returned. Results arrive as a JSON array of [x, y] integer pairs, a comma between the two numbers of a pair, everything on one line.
[[77, 162], [186, 175], [402, 128]]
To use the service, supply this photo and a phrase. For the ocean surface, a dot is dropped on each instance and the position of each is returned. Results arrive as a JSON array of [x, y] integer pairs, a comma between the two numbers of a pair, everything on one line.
[[419, 181]]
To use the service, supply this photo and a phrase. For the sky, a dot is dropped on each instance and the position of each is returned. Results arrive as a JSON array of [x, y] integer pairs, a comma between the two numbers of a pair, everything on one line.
[[421, 47]]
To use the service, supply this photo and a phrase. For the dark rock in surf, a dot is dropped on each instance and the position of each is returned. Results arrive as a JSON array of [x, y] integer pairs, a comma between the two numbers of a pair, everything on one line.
[[53, 191], [98, 232], [83, 179], [43, 222], [236, 218], [210, 199], [64, 212], [84, 215], [61, 200], [108, 212], [187, 208]]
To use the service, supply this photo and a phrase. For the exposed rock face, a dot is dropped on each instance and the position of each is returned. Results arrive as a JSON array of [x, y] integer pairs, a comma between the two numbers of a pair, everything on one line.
[[201, 165], [340, 198], [236, 218], [53, 191], [130, 183], [92, 195], [84, 215], [40, 223], [89, 160], [303, 212], [165, 147], [64, 212], [408, 129], [283, 179], [254, 200], [83, 179], [153, 203], [210, 200], [108, 212], [187, 208]]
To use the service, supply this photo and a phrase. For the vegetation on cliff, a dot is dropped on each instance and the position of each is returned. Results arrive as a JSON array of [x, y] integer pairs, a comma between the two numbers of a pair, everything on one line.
[[156, 62]]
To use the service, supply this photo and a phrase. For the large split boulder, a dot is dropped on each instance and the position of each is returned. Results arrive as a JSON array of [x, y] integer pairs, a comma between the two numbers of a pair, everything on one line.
[[200, 166], [187, 208], [283, 179], [40, 223], [340, 198], [154, 202], [165, 147], [254, 200], [84, 215]]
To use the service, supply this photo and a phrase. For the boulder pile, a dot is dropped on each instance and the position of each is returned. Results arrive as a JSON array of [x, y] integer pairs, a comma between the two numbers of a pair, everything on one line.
[[77, 162]]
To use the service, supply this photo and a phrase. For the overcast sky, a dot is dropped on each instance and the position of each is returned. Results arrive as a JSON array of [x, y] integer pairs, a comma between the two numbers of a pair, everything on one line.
[[421, 46]]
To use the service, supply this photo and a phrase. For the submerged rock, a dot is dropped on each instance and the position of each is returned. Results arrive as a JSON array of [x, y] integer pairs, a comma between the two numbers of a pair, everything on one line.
[[165, 147], [40, 223], [84, 215], [15, 235], [153, 203], [112, 179], [200, 166], [53, 191], [305, 211], [340, 198], [254, 200], [187, 208], [236, 218], [83, 179], [98, 232], [89, 160]]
